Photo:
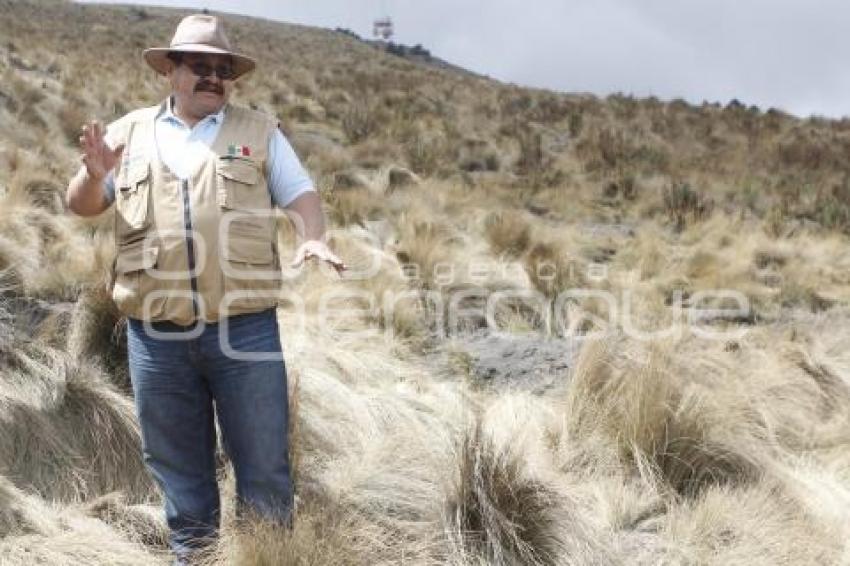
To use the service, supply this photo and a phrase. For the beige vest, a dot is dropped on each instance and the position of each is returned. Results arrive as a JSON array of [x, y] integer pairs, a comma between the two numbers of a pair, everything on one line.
[[220, 221]]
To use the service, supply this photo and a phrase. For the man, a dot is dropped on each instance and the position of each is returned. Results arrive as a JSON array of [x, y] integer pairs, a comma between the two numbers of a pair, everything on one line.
[[195, 180]]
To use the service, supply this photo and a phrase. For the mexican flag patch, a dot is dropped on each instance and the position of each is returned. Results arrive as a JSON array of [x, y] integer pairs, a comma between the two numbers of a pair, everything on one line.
[[238, 150]]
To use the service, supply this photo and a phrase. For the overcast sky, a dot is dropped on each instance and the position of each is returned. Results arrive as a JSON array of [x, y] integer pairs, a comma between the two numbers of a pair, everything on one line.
[[793, 55]]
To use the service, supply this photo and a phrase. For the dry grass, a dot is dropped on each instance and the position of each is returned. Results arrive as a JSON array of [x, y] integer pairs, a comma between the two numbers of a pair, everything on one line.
[[672, 448], [499, 513], [553, 269], [140, 523], [96, 333], [324, 535], [508, 232], [72, 438], [84, 541], [22, 514], [426, 246], [668, 427], [734, 525]]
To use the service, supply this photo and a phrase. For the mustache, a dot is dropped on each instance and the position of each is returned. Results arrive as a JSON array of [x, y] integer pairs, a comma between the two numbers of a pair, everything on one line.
[[206, 86]]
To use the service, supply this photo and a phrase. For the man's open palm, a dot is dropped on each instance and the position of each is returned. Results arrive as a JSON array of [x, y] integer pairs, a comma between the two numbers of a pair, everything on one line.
[[319, 250], [97, 156]]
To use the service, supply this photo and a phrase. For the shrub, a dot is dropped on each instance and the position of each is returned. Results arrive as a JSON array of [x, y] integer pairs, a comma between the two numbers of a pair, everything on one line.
[[426, 153], [513, 103], [808, 152], [508, 232], [832, 210], [624, 186], [550, 109], [624, 107], [551, 270], [683, 203], [794, 295], [139, 14], [477, 155], [359, 121], [531, 156], [576, 123], [612, 148], [535, 164]]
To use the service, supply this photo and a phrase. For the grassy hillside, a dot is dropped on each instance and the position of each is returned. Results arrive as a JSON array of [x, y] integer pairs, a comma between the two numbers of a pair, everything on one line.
[[615, 406]]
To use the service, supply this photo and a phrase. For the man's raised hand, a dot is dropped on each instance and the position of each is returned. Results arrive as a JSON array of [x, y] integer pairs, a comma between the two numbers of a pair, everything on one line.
[[97, 156]]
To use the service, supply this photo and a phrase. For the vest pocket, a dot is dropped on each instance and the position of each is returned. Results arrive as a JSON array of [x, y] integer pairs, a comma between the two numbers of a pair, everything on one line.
[[251, 274], [251, 251], [132, 201], [250, 268], [133, 282], [237, 185], [247, 200]]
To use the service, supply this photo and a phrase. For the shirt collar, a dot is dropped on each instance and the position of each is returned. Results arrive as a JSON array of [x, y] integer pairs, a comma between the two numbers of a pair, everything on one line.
[[167, 114]]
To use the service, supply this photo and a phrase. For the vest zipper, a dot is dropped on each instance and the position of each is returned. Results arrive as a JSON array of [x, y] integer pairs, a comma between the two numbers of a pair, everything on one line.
[[190, 245]]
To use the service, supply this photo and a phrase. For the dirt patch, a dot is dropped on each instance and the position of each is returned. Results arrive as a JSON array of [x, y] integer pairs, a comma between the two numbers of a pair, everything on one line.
[[528, 362]]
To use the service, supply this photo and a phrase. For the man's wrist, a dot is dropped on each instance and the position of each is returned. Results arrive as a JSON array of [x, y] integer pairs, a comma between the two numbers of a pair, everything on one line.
[[90, 178]]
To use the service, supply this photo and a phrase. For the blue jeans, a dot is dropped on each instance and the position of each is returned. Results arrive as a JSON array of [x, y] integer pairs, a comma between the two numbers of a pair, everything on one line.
[[178, 375]]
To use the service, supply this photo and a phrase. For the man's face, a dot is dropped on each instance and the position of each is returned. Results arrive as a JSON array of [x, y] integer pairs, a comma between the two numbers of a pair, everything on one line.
[[198, 96]]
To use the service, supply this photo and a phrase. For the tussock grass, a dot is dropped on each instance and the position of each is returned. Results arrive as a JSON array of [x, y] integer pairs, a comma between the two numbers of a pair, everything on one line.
[[508, 232], [67, 434], [83, 541], [38, 191], [426, 245], [506, 505], [684, 204], [664, 426], [353, 206], [97, 333], [322, 534], [553, 269], [34, 240], [111, 434], [373, 447], [756, 524], [498, 513], [22, 513], [140, 523], [672, 450]]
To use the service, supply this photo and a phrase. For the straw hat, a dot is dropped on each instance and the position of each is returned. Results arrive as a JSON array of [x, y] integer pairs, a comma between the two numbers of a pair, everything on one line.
[[198, 33]]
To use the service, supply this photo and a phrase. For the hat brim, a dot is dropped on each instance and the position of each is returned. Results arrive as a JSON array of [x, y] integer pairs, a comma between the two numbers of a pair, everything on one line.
[[157, 57]]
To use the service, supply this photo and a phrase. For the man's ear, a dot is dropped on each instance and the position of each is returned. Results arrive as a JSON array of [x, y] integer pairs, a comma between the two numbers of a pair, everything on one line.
[[171, 67]]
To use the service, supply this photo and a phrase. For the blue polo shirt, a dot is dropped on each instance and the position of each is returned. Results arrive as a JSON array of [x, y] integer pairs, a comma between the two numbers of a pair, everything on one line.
[[182, 149]]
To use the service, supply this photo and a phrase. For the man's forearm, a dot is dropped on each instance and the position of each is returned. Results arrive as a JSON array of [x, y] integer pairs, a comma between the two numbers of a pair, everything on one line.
[[307, 216], [86, 194]]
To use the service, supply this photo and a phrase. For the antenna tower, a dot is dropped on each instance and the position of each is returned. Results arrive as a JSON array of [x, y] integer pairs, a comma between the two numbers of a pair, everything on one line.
[[382, 27]]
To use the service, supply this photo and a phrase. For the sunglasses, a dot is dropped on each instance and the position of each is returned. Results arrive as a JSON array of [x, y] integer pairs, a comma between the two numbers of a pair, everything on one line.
[[201, 70]]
